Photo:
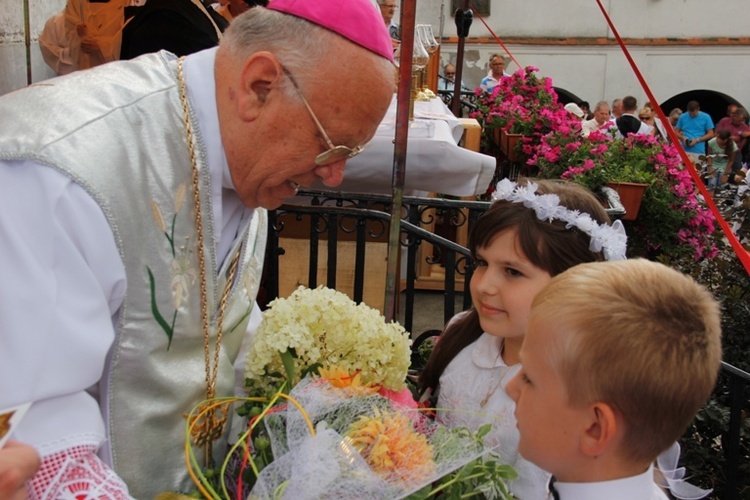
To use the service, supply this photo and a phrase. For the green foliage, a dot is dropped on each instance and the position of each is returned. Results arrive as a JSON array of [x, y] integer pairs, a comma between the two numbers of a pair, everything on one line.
[[704, 442], [483, 477]]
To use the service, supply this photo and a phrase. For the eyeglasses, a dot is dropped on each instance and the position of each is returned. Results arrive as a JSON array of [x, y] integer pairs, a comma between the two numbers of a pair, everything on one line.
[[449, 74], [334, 153], [388, 6]]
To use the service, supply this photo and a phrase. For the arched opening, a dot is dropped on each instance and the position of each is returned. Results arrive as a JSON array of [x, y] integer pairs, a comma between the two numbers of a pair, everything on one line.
[[564, 96], [712, 102]]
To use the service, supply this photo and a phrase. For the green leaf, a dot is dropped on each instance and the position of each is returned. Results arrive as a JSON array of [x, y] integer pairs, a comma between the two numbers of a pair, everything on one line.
[[155, 309], [287, 359]]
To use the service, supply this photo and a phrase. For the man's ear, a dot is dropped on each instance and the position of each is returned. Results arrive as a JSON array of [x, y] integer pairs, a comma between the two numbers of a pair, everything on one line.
[[260, 75], [602, 430]]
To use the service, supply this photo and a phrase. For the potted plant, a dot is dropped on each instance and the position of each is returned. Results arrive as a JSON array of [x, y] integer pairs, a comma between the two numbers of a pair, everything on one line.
[[521, 109], [670, 218]]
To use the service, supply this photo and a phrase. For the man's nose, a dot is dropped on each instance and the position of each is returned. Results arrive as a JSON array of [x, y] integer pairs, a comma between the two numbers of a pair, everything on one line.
[[333, 174]]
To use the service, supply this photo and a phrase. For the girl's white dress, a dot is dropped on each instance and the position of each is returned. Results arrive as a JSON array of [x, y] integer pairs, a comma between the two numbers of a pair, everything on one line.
[[472, 393]]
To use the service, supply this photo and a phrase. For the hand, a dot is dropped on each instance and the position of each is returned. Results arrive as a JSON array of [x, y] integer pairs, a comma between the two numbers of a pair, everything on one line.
[[89, 45], [18, 463]]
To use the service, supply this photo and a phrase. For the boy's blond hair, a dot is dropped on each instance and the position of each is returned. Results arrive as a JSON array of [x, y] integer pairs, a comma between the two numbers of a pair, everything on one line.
[[638, 336]]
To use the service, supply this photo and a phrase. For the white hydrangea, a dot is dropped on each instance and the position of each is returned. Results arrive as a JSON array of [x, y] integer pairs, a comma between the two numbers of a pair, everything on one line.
[[325, 326]]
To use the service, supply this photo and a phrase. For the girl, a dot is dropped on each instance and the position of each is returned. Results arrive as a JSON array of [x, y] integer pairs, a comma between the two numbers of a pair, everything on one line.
[[531, 233], [721, 151]]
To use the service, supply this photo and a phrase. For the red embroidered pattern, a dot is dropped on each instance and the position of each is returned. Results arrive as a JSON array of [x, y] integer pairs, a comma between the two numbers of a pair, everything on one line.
[[76, 474]]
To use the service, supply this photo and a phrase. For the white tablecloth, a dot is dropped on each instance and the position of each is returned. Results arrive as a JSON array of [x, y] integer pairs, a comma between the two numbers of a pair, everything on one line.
[[434, 161]]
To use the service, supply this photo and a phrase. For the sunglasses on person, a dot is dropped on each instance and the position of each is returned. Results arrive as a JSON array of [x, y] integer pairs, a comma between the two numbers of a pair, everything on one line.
[[334, 153]]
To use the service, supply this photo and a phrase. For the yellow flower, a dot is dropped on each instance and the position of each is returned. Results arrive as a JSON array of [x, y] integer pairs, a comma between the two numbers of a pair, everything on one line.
[[341, 379], [389, 445]]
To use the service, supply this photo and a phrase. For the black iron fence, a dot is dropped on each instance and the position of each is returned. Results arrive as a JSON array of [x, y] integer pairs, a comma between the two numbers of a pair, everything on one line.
[[330, 218]]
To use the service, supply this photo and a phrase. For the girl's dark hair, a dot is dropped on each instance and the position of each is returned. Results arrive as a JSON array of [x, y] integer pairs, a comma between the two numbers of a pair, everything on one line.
[[548, 245], [726, 136]]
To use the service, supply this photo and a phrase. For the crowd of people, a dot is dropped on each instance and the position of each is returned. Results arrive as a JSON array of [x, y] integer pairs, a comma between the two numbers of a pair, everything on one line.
[[722, 149]]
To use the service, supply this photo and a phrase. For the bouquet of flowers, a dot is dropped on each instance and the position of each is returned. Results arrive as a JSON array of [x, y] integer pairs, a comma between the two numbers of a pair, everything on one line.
[[329, 414]]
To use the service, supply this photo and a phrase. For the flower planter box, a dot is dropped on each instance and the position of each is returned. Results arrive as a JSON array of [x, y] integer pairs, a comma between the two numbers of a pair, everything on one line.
[[510, 146], [507, 143], [631, 195]]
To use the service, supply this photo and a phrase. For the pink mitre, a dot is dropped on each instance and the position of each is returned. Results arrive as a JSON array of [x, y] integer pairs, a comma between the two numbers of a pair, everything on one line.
[[356, 20]]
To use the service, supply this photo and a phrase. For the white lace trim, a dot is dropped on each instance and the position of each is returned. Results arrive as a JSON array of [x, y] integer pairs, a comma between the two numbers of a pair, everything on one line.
[[610, 240], [77, 473]]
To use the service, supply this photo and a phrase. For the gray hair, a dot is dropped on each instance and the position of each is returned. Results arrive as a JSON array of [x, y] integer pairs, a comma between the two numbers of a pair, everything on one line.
[[301, 46], [601, 104], [675, 112]]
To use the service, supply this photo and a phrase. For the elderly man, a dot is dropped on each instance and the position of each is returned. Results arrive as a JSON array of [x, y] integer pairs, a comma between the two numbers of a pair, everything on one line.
[[600, 121], [387, 11], [497, 71], [132, 222]]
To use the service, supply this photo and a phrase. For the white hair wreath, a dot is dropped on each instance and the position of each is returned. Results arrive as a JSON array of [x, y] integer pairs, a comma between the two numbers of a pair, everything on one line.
[[611, 240]]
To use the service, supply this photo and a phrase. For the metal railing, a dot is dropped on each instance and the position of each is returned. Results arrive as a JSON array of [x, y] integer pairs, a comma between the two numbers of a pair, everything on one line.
[[739, 381], [365, 218]]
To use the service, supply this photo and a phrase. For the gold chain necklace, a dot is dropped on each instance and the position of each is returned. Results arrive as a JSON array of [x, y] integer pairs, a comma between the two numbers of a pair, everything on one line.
[[208, 425], [492, 385]]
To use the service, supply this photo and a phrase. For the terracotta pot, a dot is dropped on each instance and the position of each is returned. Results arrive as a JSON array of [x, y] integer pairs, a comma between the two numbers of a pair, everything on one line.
[[631, 195]]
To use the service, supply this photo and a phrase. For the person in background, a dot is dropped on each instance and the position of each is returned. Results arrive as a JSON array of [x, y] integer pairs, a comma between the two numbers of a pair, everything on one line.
[[229, 9], [18, 463], [179, 26], [629, 123], [449, 76], [736, 124], [388, 9], [674, 115], [447, 81], [601, 120], [616, 109], [136, 205], [694, 128], [617, 359], [54, 45], [575, 110], [721, 153], [497, 71], [93, 30], [648, 116], [586, 108]]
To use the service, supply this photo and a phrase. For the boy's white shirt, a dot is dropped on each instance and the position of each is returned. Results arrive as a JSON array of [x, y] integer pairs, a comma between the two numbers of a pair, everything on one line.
[[640, 487]]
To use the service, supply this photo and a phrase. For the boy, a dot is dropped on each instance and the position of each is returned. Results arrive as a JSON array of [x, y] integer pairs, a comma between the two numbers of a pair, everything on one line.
[[617, 359]]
